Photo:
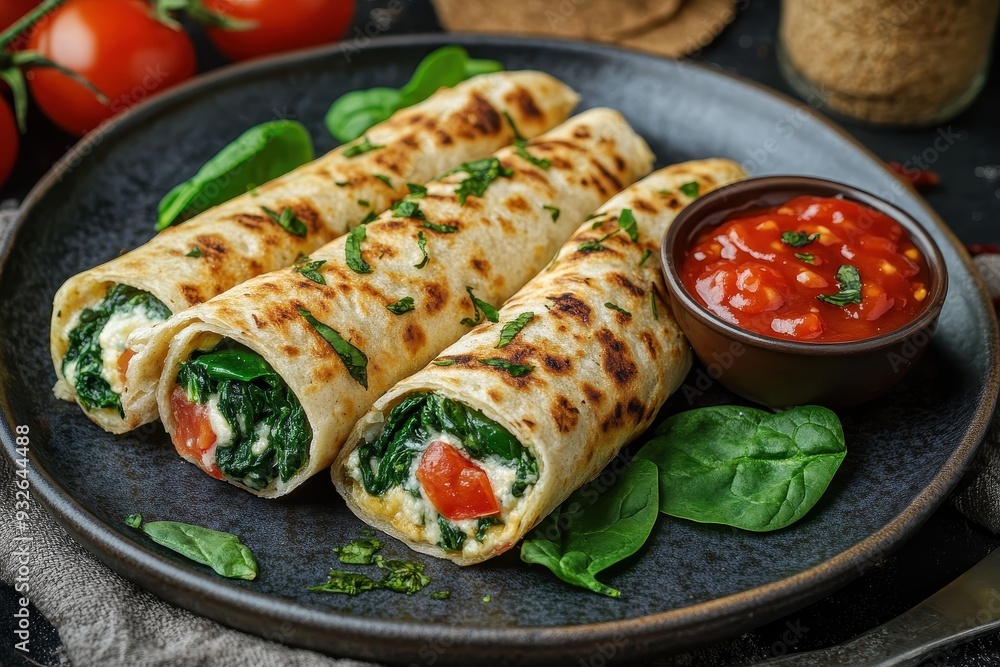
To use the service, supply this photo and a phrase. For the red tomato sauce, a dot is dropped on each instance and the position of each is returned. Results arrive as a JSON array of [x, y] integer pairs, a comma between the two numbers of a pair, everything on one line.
[[788, 271]]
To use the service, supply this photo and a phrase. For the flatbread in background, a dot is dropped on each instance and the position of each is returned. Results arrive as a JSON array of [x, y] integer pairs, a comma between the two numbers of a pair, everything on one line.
[[671, 28]]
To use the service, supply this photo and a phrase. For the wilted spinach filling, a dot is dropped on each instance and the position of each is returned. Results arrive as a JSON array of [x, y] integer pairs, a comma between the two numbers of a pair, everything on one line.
[[386, 462], [255, 401], [92, 390]]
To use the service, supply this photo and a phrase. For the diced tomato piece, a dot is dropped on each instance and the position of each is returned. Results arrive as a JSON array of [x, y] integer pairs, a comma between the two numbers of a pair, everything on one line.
[[457, 487], [123, 360], [194, 435]]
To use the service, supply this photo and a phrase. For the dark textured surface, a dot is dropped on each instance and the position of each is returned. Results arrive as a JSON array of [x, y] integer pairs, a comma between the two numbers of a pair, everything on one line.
[[898, 467]]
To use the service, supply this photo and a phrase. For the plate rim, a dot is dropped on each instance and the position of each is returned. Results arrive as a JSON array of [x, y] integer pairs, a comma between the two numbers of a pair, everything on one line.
[[244, 609]]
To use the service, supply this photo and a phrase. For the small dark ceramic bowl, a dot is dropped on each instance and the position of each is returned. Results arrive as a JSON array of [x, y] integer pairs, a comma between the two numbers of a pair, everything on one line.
[[778, 372]]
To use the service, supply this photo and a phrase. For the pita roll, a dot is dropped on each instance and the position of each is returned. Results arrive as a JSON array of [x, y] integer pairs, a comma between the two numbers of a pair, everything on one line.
[[99, 314], [463, 458], [389, 296]]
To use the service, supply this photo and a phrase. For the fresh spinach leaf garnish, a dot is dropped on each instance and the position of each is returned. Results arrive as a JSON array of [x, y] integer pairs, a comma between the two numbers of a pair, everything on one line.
[[385, 179], [422, 244], [364, 146], [645, 256], [512, 369], [806, 257], [596, 245], [480, 308], [356, 112], [798, 239], [385, 463], [440, 595], [352, 250], [691, 189], [84, 356], [194, 252], [745, 467], [452, 537], [626, 221], [404, 305], [592, 530], [849, 282], [521, 146], [554, 210], [287, 220], [310, 269], [358, 552], [512, 328], [254, 400], [416, 191], [402, 576], [371, 217], [406, 208], [614, 306], [353, 358], [347, 583], [259, 155], [480, 174], [223, 552]]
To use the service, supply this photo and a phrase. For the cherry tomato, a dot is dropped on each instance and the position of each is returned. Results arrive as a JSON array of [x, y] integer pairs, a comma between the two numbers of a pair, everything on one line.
[[9, 139], [12, 10], [280, 25], [194, 435], [457, 487], [114, 44]]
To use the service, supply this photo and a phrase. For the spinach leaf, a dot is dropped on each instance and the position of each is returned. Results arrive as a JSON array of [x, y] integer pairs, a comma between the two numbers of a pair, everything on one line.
[[645, 256], [287, 220], [690, 189], [223, 552], [480, 308], [416, 191], [521, 148], [422, 244], [194, 252], [554, 210], [617, 308], [597, 245], [360, 148], [484, 524], [798, 239], [385, 179], [354, 113], [404, 305], [352, 250], [310, 269], [358, 552], [591, 530], [480, 174], [402, 576], [626, 221], [745, 467], [353, 358], [512, 328], [256, 403], [444, 229], [259, 155], [515, 370], [85, 355], [452, 537], [405, 208], [806, 257], [849, 282], [371, 217], [348, 583]]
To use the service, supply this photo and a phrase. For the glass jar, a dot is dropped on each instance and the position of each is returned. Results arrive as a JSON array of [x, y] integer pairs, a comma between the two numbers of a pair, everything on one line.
[[906, 63]]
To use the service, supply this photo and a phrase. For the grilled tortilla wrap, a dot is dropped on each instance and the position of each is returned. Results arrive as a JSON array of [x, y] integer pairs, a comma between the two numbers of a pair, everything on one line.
[[498, 446], [434, 267], [239, 240]]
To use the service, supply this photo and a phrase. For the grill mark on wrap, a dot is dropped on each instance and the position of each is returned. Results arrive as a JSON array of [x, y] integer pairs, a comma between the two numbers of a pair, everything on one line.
[[522, 99], [616, 358], [567, 304], [565, 415]]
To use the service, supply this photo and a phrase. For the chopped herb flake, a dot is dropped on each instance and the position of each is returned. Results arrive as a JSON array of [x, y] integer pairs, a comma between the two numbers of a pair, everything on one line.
[[404, 305], [364, 202], [554, 210], [422, 244], [402, 576], [480, 308], [613, 306], [405, 208], [520, 147], [365, 146], [352, 250], [596, 245], [288, 221], [444, 229], [512, 328], [385, 179], [358, 552], [626, 221], [690, 189], [806, 257], [133, 520], [195, 252], [849, 281], [652, 305], [309, 269], [342, 184], [416, 191], [440, 595], [645, 255], [515, 370], [481, 174], [798, 239], [444, 362], [353, 358], [348, 583], [371, 217]]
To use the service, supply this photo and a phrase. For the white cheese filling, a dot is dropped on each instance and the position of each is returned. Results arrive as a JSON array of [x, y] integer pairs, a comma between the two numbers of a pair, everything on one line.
[[112, 340]]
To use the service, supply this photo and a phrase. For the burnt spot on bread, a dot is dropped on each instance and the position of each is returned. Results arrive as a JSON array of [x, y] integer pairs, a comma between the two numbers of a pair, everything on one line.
[[593, 394], [564, 414], [191, 294], [409, 141], [414, 337], [647, 340], [389, 162], [529, 423], [435, 297], [581, 133], [615, 419], [517, 203], [556, 364], [443, 137], [622, 281], [291, 351], [567, 304], [381, 250], [636, 409], [643, 205], [619, 163], [616, 358], [251, 221], [213, 246], [259, 323], [480, 265], [483, 116], [309, 215], [494, 395], [524, 102]]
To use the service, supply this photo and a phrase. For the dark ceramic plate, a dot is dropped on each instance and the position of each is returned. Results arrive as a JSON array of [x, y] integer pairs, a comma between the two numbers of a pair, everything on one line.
[[692, 583]]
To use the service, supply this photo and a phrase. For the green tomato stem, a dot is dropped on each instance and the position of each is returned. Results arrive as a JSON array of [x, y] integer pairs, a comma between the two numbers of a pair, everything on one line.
[[26, 21]]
